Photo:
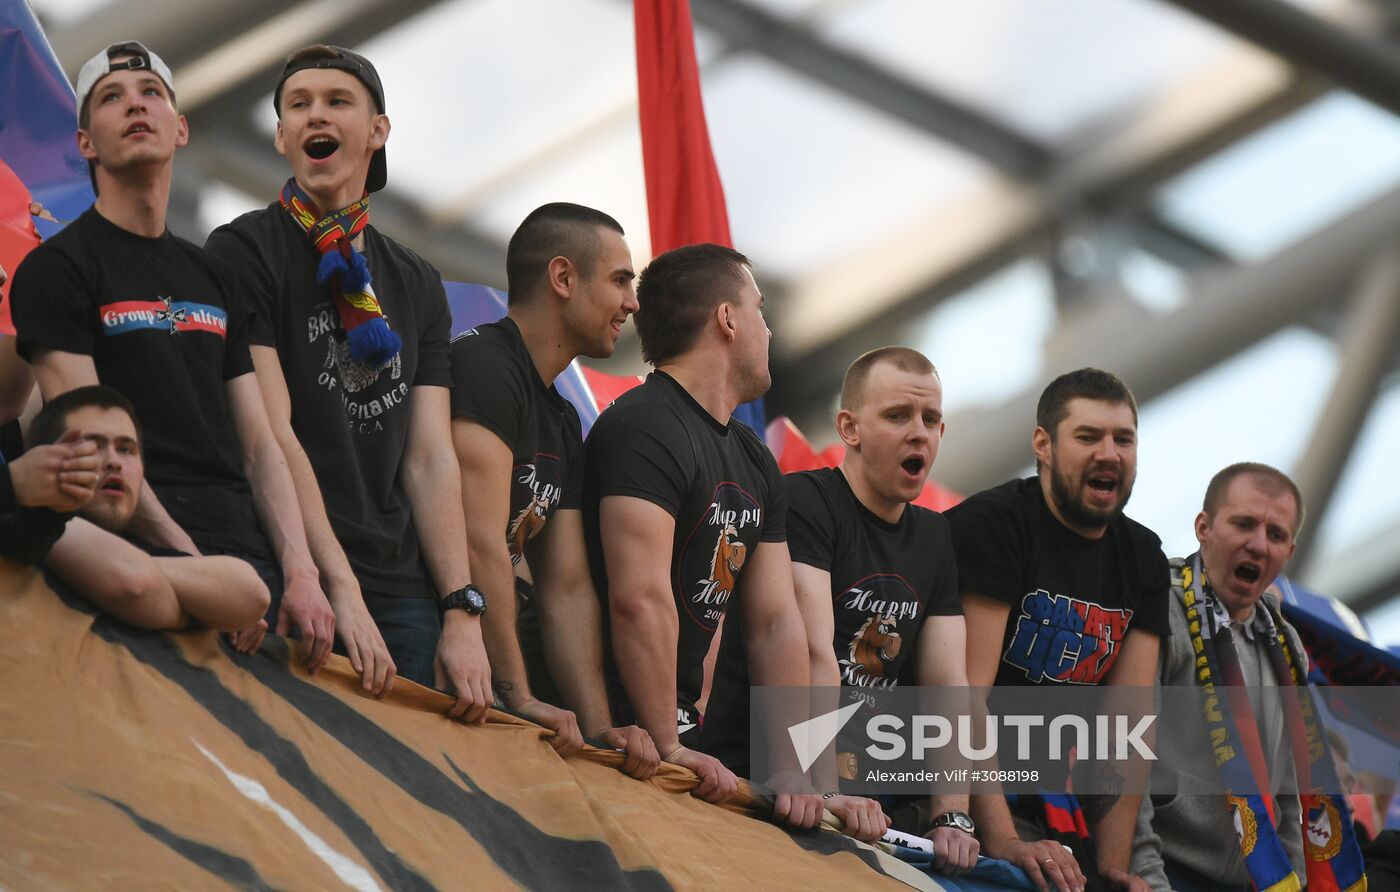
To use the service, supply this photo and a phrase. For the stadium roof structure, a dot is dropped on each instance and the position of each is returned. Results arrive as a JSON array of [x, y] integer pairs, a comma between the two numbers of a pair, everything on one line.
[[1202, 195]]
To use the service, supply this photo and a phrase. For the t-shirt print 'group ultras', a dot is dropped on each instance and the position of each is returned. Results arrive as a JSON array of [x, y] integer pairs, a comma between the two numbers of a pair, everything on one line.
[[1065, 639], [164, 313]]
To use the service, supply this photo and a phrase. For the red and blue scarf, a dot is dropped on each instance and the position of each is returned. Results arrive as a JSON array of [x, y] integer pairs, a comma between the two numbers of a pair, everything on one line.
[[367, 330], [1329, 843]]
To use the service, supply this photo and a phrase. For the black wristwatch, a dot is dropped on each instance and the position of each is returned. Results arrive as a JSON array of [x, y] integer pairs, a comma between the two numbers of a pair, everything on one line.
[[468, 598], [955, 819]]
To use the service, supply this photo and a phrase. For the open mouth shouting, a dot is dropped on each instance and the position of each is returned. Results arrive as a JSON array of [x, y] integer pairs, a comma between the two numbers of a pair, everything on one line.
[[1247, 572], [320, 147], [113, 485], [1103, 486], [913, 466]]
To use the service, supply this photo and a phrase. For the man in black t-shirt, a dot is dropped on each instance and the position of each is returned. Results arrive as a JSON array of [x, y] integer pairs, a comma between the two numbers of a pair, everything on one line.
[[350, 336], [1059, 587], [116, 298], [683, 511], [875, 577], [520, 446], [140, 584]]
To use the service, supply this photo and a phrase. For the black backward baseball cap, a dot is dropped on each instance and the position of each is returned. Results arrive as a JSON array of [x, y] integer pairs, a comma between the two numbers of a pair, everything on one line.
[[341, 59]]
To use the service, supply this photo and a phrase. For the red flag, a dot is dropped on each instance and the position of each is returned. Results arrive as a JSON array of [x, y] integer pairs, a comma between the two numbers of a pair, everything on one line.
[[685, 200]]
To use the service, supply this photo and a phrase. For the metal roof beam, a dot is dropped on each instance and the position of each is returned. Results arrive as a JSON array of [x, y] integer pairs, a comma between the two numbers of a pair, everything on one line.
[[746, 27]]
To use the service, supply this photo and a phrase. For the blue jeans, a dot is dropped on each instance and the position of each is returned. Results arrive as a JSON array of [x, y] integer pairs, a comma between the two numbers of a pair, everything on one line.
[[411, 628], [1184, 879]]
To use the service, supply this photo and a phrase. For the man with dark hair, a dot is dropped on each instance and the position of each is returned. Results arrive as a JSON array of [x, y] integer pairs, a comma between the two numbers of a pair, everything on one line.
[[116, 298], [140, 584], [684, 511], [1227, 630], [520, 447], [1053, 559], [875, 577], [350, 341]]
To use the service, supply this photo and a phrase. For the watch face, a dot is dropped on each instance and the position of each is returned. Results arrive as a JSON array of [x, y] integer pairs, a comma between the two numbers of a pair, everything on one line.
[[956, 819], [475, 599]]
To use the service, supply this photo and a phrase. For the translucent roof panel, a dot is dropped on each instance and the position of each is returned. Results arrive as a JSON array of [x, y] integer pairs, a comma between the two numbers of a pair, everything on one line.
[[1289, 179], [480, 90], [981, 359], [1153, 282], [811, 176], [1366, 497], [1197, 428], [603, 171], [1047, 69], [57, 13]]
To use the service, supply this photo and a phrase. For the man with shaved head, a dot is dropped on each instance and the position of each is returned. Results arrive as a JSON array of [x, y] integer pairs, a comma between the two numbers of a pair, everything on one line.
[[876, 582], [520, 447]]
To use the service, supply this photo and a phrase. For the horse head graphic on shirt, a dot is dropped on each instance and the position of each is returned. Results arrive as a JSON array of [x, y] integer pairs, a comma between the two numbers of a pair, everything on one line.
[[875, 643], [527, 525], [728, 559]]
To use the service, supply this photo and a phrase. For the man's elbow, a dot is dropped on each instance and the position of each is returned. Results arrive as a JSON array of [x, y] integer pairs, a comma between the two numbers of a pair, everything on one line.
[[635, 610], [251, 596], [139, 594]]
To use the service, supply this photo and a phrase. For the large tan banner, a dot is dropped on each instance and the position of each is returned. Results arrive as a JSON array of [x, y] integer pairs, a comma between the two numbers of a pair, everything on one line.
[[135, 760]]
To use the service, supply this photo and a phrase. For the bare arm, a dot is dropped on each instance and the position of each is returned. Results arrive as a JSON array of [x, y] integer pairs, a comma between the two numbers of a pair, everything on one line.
[[571, 623], [59, 372], [1135, 670], [637, 538], [115, 576], [571, 618], [776, 646], [486, 463], [220, 592], [813, 587], [985, 621], [943, 664], [351, 620], [433, 483]]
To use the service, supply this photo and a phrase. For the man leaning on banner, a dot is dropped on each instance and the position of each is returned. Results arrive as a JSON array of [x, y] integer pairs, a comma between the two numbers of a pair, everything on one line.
[[1225, 630]]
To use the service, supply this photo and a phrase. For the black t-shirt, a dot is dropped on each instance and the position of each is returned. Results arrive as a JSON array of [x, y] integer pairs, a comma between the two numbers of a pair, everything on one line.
[[495, 383], [352, 419], [721, 485], [1072, 599], [154, 315], [886, 578]]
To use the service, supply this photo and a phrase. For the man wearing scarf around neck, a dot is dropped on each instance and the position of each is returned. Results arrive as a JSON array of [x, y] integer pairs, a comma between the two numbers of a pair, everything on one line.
[[350, 341], [116, 298], [1227, 631]]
